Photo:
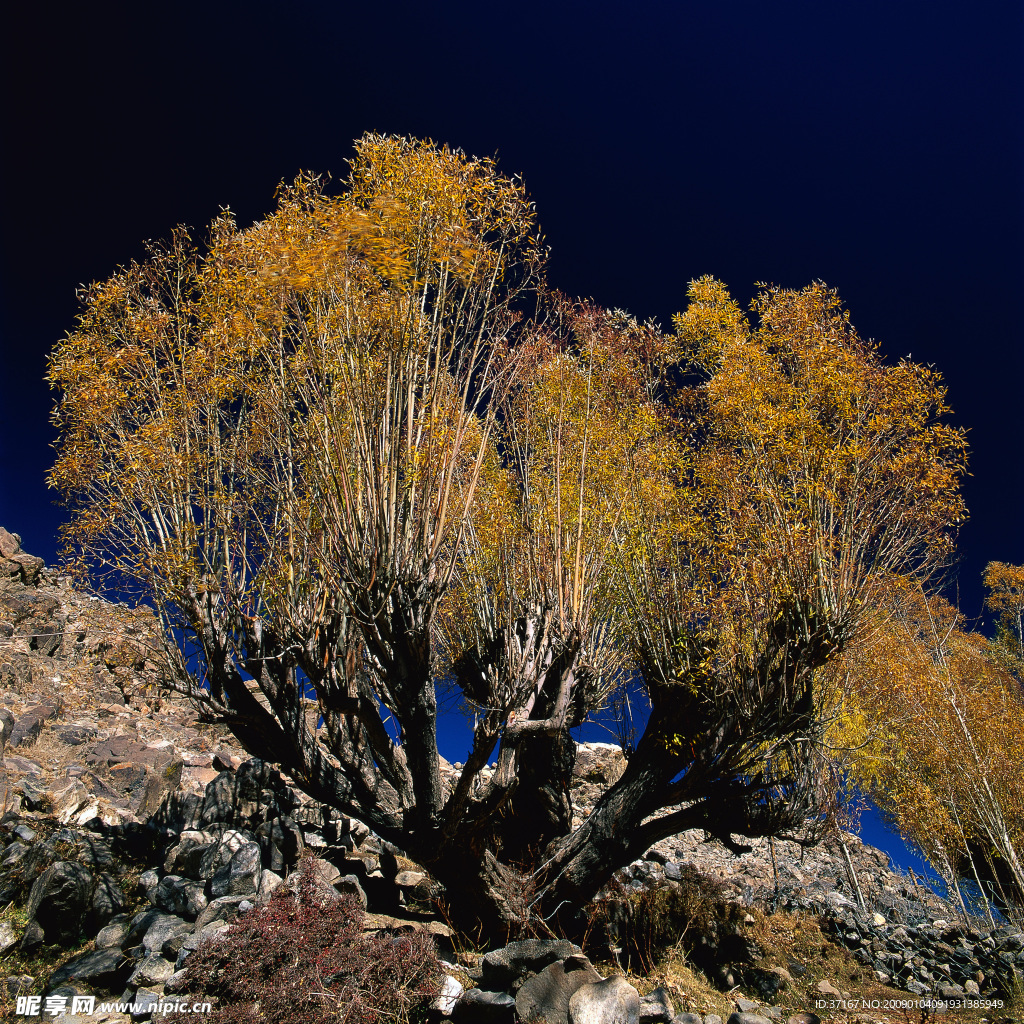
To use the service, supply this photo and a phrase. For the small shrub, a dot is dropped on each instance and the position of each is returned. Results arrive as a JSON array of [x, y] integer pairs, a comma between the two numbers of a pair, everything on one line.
[[303, 959], [688, 916]]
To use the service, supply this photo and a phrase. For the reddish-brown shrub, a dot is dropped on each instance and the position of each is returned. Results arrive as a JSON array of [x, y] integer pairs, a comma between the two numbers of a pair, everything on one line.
[[303, 959]]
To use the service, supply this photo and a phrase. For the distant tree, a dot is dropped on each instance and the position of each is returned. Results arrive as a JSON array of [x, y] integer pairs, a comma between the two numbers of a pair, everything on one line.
[[1005, 585], [355, 453], [928, 720]]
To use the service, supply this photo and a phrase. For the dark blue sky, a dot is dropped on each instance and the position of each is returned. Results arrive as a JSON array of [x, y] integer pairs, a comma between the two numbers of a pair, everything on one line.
[[877, 146]]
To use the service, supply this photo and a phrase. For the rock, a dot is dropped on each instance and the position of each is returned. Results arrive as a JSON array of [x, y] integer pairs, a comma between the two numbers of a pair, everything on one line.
[[10, 543], [144, 1002], [28, 727], [107, 900], [152, 970], [112, 935], [8, 936], [180, 896], [656, 1007], [76, 733], [58, 901], [196, 939], [67, 798], [223, 909], [446, 999], [186, 857], [176, 982], [481, 1006], [19, 984], [6, 726], [545, 996], [747, 1018], [747, 1005], [804, 1017], [241, 875], [826, 988], [220, 851], [147, 883], [690, 1018], [409, 879], [504, 968], [613, 1001], [248, 797], [103, 970], [348, 885], [270, 880], [152, 928], [281, 843]]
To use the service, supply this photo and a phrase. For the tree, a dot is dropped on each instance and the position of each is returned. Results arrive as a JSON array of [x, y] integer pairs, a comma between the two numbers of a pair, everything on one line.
[[356, 453], [1005, 585], [927, 723]]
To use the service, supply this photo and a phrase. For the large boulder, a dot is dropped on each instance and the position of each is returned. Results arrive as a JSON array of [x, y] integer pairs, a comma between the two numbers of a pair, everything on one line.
[[482, 1006], [546, 995], [613, 1001], [103, 971], [506, 968], [58, 903]]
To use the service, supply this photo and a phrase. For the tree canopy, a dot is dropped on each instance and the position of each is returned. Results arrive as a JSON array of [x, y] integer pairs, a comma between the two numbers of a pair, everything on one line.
[[359, 452]]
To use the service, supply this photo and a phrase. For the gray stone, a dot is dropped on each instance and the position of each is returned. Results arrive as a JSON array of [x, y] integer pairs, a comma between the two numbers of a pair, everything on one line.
[[546, 995], [59, 900], [212, 931], [219, 853], [746, 1017], [180, 896], [103, 970], [613, 1001], [144, 1002], [107, 900], [14, 854], [112, 935], [503, 968], [481, 1006], [224, 908], [271, 880], [186, 857], [8, 936], [281, 843], [804, 1017], [76, 733], [147, 883], [19, 984], [154, 930], [241, 875], [176, 982], [656, 1007], [347, 885], [152, 970], [6, 726], [690, 1018]]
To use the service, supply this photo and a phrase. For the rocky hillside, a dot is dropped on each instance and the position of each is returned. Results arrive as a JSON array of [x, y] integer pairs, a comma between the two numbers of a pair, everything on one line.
[[131, 831]]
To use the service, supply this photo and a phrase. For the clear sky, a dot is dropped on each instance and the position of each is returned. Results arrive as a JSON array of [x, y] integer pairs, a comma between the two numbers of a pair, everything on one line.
[[875, 145]]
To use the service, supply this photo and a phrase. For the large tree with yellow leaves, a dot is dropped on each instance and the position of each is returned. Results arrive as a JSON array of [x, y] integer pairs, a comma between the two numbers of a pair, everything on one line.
[[355, 453]]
